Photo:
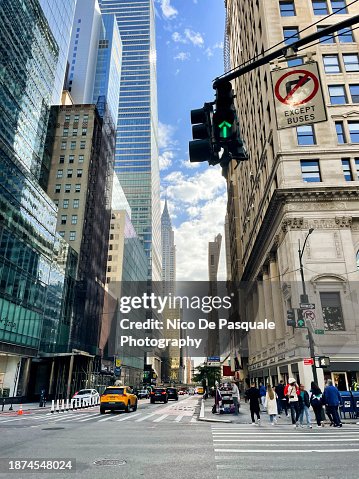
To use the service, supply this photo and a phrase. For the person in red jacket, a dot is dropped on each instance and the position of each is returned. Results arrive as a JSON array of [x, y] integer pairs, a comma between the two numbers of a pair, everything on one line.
[[292, 391]]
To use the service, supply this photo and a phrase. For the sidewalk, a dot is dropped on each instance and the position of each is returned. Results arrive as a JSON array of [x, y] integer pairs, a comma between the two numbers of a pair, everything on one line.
[[244, 416], [27, 407]]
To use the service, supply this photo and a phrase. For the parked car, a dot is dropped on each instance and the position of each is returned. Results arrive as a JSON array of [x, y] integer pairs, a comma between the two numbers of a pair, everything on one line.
[[181, 392], [172, 393], [118, 398], [86, 394], [143, 394], [159, 394]]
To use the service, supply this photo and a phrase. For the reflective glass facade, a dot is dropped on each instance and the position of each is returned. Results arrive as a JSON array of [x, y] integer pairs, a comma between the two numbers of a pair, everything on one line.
[[60, 15], [136, 158]]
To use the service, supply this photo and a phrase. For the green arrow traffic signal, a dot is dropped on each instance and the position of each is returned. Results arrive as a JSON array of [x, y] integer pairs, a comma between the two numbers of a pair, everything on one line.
[[225, 129], [300, 323]]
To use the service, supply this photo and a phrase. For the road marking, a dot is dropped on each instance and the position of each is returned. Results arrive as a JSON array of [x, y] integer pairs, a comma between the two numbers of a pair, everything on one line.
[[311, 434], [75, 418], [146, 417], [10, 420], [106, 418], [193, 419], [129, 416], [92, 416], [160, 418], [179, 418], [285, 440], [271, 451]]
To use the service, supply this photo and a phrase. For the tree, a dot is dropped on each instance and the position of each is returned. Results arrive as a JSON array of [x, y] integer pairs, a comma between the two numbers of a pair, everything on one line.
[[208, 374]]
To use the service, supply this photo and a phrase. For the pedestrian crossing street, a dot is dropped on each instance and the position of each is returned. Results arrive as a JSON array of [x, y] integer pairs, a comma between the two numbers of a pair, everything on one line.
[[182, 412], [235, 444]]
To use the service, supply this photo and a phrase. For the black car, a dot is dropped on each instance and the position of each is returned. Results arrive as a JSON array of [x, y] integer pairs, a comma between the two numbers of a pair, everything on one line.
[[159, 394], [172, 393]]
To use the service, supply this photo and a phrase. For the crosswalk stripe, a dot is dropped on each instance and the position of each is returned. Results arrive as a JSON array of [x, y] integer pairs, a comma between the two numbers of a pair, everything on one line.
[[161, 418], [297, 434], [106, 418], [130, 416], [179, 418], [93, 416], [285, 440], [146, 417], [72, 418]]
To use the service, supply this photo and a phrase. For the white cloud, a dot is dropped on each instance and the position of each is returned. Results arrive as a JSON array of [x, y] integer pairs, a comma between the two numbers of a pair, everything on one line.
[[165, 159], [182, 56], [165, 135], [210, 50], [194, 37], [189, 36], [168, 10]]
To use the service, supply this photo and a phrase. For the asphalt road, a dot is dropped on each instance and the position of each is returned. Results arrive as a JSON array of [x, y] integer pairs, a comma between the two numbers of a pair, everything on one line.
[[166, 441]]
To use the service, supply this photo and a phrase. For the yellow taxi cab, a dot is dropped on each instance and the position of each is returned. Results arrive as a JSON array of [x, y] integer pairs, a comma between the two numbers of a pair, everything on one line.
[[118, 398]]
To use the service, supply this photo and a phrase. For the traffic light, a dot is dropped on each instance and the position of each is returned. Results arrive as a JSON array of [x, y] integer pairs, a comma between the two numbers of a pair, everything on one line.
[[203, 148], [291, 318], [226, 126], [300, 320]]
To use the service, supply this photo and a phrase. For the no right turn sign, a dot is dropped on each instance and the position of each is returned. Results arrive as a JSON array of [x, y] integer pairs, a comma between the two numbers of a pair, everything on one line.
[[298, 96]]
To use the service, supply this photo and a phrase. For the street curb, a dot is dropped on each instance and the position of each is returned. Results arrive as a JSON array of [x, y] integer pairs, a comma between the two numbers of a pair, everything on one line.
[[204, 419], [201, 413]]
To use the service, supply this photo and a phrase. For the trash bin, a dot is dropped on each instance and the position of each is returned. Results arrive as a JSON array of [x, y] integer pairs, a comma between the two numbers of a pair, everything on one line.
[[347, 404], [355, 395]]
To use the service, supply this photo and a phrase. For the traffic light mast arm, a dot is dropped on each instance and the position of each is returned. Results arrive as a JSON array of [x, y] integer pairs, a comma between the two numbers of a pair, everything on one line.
[[282, 51]]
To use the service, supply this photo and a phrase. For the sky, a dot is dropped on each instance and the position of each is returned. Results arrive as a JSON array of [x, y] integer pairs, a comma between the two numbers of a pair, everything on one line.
[[189, 37]]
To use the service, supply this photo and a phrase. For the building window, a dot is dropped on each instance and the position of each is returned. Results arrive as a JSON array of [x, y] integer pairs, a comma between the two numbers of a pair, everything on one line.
[[77, 188], [71, 158], [74, 132], [72, 235], [345, 35], [332, 311], [340, 132], [320, 7], [76, 203], [357, 167], [62, 234], [62, 159], [346, 169], [65, 204], [109, 269], [84, 131], [63, 145], [337, 95], [109, 258], [60, 173], [67, 118], [354, 131], [354, 93], [287, 8], [327, 38], [291, 35], [67, 188], [69, 173], [65, 132], [74, 219], [56, 202], [76, 118], [331, 63], [310, 171], [351, 62], [73, 145], [85, 118], [81, 158], [63, 219], [339, 6], [306, 135], [57, 188], [83, 145], [79, 173]]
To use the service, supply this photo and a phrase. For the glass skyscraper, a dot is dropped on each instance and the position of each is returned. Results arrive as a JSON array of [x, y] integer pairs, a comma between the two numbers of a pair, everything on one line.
[[136, 158], [60, 15]]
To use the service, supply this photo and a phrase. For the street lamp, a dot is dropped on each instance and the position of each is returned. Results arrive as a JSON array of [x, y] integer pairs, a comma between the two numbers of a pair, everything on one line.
[[304, 299]]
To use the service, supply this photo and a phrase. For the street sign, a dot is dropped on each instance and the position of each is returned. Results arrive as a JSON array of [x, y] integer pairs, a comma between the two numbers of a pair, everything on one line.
[[298, 96], [307, 306], [214, 358], [214, 364], [308, 314], [319, 331], [308, 362]]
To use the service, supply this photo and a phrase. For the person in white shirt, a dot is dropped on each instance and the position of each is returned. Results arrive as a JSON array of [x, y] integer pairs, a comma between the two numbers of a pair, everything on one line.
[[235, 397]]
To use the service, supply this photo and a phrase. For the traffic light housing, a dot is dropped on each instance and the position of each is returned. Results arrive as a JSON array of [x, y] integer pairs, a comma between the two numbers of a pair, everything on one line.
[[291, 318], [203, 146], [226, 125], [300, 319]]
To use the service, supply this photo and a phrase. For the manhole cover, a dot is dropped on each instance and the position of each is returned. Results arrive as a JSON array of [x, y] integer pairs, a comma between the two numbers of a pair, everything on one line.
[[110, 462], [52, 428]]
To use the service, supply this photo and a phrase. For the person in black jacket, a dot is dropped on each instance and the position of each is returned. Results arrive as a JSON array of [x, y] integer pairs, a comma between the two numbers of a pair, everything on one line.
[[253, 396], [304, 404], [282, 401]]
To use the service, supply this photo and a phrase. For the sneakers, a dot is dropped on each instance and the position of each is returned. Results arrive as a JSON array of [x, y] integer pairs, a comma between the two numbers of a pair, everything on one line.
[[296, 425], [258, 422], [279, 415], [302, 426], [253, 423], [310, 426], [287, 415]]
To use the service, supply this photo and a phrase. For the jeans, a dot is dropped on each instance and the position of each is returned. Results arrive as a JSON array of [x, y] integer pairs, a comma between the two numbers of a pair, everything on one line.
[[333, 411], [283, 406], [273, 417], [263, 401], [294, 411], [305, 411], [235, 402]]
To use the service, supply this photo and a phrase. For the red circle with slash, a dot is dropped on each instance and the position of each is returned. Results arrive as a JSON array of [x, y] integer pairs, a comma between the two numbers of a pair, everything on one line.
[[307, 75]]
